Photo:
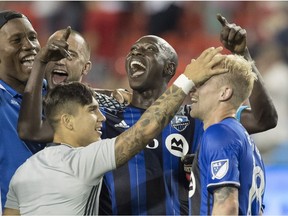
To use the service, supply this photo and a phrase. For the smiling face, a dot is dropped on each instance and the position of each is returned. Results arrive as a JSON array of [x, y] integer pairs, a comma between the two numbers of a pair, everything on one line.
[[19, 45], [148, 63], [66, 70], [73, 112], [204, 98], [87, 123]]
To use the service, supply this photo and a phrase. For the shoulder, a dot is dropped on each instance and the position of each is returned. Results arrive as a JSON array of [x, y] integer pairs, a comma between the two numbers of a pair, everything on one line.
[[109, 104], [220, 134]]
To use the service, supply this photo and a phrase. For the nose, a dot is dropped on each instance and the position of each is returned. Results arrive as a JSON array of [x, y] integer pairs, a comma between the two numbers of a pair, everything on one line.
[[101, 117], [28, 44], [61, 61]]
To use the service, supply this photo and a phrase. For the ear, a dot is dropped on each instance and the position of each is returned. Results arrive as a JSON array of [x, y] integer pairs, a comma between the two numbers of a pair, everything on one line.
[[87, 68], [67, 121], [226, 93], [170, 69]]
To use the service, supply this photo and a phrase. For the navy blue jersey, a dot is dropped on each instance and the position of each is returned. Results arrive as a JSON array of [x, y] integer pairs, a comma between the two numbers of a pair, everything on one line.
[[152, 182], [227, 156]]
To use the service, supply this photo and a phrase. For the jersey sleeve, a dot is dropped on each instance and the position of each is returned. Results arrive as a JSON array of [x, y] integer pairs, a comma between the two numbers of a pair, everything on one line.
[[90, 163], [12, 201], [221, 150]]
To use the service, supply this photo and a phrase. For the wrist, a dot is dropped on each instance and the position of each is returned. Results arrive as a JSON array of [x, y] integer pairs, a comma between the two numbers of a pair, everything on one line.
[[184, 83]]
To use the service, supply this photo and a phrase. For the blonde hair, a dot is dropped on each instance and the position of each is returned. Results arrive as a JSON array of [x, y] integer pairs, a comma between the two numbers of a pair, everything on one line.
[[240, 76]]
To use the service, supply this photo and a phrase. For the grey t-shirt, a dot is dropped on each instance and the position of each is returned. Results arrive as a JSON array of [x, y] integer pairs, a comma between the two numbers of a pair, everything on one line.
[[62, 180]]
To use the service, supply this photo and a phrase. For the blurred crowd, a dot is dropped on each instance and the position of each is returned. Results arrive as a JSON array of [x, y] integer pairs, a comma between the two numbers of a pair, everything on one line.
[[189, 26]]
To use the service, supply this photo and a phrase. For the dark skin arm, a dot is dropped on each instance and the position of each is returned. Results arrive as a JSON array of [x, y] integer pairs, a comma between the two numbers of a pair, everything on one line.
[[30, 124], [263, 115]]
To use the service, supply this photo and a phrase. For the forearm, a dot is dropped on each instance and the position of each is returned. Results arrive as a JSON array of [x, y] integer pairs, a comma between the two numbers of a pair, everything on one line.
[[30, 116], [149, 125], [262, 108]]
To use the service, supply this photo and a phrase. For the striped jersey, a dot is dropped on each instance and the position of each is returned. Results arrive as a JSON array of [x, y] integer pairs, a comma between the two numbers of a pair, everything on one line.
[[227, 156], [152, 182]]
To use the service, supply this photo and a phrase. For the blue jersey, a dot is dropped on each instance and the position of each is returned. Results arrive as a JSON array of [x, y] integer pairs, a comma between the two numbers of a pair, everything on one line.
[[152, 182], [13, 151], [227, 156]]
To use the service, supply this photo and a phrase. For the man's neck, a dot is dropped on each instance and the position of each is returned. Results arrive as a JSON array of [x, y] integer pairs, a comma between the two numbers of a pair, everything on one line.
[[218, 115], [145, 99], [17, 85]]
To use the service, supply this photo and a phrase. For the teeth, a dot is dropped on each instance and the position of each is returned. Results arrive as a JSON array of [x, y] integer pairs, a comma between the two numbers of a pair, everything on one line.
[[29, 58], [137, 63], [193, 99], [59, 71]]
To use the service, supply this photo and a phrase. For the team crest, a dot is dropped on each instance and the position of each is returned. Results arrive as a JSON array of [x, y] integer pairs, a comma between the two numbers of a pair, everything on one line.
[[219, 168], [180, 122], [177, 145]]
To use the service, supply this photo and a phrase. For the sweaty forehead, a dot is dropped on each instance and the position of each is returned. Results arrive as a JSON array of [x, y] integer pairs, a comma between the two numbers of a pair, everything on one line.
[[157, 41], [17, 25]]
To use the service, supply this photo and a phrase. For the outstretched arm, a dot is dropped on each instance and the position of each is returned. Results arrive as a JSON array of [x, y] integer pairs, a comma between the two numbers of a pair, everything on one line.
[[158, 115], [263, 115], [30, 124]]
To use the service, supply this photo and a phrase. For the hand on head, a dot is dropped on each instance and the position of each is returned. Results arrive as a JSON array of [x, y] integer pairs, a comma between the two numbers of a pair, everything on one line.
[[202, 68], [233, 37], [57, 49]]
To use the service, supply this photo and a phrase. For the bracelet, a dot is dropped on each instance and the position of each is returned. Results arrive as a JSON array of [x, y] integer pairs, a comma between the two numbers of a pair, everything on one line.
[[184, 83]]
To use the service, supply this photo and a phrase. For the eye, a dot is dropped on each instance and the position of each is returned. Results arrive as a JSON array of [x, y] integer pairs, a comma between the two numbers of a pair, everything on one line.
[[16, 40], [73, 54], [33, 38], [152, 48], [133, 49]]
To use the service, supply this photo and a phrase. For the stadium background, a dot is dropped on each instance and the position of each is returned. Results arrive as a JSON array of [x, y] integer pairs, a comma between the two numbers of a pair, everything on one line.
[[111, 27]]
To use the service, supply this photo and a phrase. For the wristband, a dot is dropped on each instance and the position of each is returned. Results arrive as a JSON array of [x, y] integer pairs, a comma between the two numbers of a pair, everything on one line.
[[184, 83]]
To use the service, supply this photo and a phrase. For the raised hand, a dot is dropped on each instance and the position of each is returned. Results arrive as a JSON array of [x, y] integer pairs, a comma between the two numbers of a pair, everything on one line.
[[233, 37], [205, 66], [57, 49]]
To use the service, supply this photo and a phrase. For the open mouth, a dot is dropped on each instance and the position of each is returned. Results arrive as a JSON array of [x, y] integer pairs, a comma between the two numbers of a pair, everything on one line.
[[138, 68], [59, 76], [28, 61], [194, 100]]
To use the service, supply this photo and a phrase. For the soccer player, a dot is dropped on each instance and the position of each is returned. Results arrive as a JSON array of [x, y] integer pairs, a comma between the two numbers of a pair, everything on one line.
[[18, 46], [64, 178], [30, 124], [228, 175], [154, 181]]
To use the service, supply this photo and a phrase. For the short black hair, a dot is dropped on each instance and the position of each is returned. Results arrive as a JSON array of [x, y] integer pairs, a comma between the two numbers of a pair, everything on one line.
[[7, 15], [64, 97]]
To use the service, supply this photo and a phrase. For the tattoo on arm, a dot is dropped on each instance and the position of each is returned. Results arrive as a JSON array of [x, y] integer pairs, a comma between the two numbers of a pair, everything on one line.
[[221, 194], [225, 201], [149, 125]]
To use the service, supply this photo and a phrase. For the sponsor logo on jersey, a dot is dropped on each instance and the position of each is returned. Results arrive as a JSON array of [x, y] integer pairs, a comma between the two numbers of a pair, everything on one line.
[[153, 145], [192, 185], [219, 168], [122, 124], [177, 145], [180, 122]]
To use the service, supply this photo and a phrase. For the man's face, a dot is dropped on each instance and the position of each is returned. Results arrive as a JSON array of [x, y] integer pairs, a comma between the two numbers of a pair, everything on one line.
[[204, 99], [88, 123], [65, 70], [145, 64], [19, 45]]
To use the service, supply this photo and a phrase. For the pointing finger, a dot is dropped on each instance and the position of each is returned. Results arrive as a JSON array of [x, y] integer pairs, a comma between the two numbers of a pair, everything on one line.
[[66, 34], [222, 20]]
